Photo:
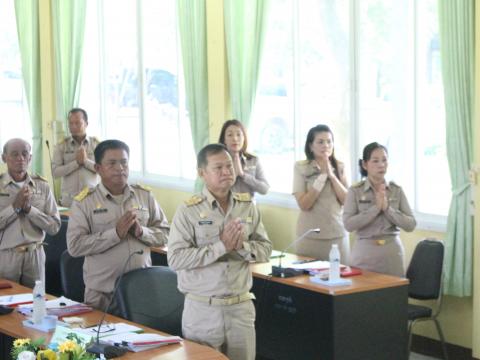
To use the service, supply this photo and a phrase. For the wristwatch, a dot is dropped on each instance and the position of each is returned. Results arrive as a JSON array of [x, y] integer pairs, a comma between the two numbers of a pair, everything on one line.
[[17, 210]]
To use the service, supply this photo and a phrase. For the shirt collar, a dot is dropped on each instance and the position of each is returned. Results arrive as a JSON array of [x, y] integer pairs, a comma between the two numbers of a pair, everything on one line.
[[7, 179], [212, 202], [128, 190], [368, 184], [73, 142]]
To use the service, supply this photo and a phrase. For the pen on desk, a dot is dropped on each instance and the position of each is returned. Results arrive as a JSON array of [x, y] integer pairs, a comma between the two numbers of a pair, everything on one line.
[[277, 256]]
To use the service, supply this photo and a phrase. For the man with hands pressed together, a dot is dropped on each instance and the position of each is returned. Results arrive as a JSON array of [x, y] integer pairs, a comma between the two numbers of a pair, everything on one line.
[[73, 159], [112, 221], [214, 236], [27, 212]]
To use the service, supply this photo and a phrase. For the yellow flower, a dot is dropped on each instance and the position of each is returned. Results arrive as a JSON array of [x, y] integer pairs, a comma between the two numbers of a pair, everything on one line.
[[46, 355], [67, 346], [21, 342]]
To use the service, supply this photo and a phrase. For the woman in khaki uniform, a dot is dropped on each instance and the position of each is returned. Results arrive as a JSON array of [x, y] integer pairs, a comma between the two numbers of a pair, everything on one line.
[[320, 187], [250, 177], [377, 210]]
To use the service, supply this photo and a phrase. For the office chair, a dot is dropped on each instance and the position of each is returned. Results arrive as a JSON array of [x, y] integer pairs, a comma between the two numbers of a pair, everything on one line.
[[71, 273], [55, 246], [425, 275], [149, 296]]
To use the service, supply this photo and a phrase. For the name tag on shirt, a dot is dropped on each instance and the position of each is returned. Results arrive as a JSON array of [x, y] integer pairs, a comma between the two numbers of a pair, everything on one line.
[[4, 194], [205, 222], [99, 211], [364, 201]]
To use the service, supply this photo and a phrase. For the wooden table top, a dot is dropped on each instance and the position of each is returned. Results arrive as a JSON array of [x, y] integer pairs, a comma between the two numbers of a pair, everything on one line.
[[367, 281], [11, 325]]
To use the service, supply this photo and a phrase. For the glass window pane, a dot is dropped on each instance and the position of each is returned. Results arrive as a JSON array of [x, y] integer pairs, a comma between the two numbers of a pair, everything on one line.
[[15, 119]]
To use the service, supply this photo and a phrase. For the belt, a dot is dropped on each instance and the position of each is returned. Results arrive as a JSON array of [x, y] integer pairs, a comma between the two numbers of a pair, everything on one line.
[[27, 248], [230, 300]]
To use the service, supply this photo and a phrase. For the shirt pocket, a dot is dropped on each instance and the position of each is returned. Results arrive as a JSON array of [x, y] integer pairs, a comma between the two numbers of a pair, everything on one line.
[[142, 215], [103, 220], [38, 200], [206, 234]]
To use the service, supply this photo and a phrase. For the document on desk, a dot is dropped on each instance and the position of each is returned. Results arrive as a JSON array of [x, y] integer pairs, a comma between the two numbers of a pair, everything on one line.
[[140, 342], [60, 307], [17, 299], [311, 265], [108, 329]]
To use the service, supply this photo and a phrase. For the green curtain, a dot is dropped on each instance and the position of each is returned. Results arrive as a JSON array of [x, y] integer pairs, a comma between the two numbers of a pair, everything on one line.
[[68, 20], [26, 12], [244, 32], [457, 55], [193, 38]]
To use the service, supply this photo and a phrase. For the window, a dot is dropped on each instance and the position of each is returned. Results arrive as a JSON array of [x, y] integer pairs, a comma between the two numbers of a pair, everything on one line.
[[15, 119], [370, 70], [132, 84]]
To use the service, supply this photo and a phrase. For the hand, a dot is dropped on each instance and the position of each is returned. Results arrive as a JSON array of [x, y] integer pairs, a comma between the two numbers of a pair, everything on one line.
[[319, 182], [231, 235], [124, 224], [136, 230], [28, 201], [21, 198], [381, 197], [237, 164], [81, 155]]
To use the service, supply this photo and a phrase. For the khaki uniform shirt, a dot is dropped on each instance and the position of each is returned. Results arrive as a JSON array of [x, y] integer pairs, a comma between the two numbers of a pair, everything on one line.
[[362, 215], [253, 179], [326, 213], [92, 233], [198, 255], [20, 229], [74, 176]]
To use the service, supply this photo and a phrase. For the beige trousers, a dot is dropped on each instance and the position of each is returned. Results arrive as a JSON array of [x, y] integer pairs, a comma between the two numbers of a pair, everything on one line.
[[99, 300], [229, 329], [320, 248], [23, 267]]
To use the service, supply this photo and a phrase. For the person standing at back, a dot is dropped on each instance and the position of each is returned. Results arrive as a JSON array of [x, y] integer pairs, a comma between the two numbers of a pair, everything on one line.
[[320, 187], [73, 160], [249, 175], [377, 210]]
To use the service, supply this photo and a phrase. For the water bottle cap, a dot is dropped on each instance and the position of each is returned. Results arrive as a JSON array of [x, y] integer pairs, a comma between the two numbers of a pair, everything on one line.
[[38, 282], [335, 245]]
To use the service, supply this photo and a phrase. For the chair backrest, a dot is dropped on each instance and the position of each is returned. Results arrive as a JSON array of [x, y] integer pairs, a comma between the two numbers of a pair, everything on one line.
[[56, 245], [425, 270], [149, 296], [71, 273]]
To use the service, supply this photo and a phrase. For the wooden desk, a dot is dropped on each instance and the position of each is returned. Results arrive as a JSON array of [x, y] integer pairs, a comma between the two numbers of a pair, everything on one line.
[[298, 319], [11, 326]]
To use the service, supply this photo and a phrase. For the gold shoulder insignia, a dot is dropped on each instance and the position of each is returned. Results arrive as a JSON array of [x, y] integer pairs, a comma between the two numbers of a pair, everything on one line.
[[242, 196], [393, 183], [142, 187], [83, 194], [194, 200], [303, 162], [358, 184], [39, 177]]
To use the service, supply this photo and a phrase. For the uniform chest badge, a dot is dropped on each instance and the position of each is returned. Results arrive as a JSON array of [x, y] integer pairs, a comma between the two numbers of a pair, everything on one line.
[[205, 222], [99, 209], [363, 200], [4, 194]]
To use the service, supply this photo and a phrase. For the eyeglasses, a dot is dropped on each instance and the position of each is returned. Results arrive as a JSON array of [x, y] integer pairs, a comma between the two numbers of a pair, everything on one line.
[[103, 329]]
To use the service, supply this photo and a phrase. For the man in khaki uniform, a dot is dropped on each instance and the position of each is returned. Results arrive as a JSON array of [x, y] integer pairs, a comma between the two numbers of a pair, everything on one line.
[[111, 223], [27, 211], [213, 238], [73, 159]]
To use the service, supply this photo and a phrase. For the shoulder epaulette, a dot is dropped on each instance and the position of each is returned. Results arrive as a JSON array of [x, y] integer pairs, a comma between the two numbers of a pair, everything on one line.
[[39, 177], [393, 183], [242, 196], [64, 141], [142, 187], [358, 184], [194, 200], [83, 194], [303, 162]]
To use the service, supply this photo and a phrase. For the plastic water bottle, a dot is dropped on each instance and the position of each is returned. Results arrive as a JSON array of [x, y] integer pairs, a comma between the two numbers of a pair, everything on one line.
[[39, 306], [334, 257]]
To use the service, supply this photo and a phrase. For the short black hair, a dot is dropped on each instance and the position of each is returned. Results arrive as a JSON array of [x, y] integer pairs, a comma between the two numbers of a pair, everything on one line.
[[77, 110], [210, 149], [367, 154], [109, 145]]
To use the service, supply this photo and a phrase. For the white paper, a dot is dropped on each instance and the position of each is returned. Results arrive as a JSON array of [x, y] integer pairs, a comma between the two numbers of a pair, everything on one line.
[[318, 265], [16, 299], [140, 342], [110, 329]]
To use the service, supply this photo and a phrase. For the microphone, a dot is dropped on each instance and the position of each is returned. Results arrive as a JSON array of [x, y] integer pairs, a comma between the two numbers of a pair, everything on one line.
[[103, 348], [279, 271], [51, 171]]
